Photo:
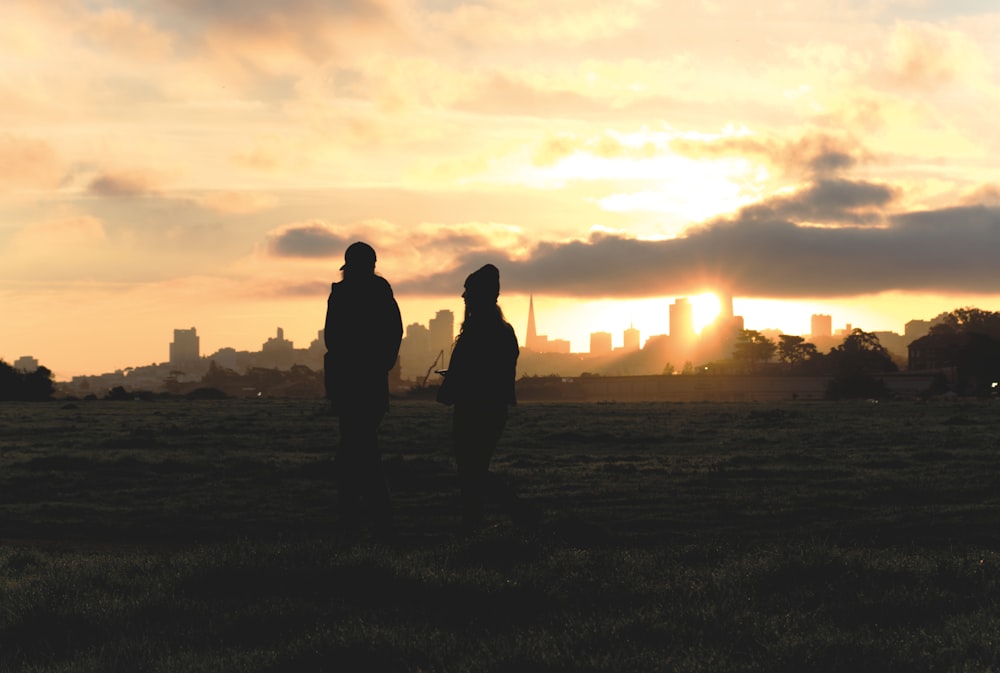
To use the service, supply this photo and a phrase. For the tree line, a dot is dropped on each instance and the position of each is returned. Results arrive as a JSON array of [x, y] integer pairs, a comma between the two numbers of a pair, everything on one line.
[[36, 386], [965, 341]]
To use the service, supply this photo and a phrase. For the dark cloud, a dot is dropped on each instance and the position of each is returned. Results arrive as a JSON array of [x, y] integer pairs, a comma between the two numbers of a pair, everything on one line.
[[307, 240], [120, 185], [306, 26], [828, 201], [952, 250]]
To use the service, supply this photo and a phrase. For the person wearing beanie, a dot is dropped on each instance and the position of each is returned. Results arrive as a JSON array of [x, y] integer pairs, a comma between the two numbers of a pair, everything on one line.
[[479, 383], [363, 333]]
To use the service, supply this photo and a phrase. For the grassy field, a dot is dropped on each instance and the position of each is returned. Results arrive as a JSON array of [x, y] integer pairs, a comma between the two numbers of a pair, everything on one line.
[[198, 536]]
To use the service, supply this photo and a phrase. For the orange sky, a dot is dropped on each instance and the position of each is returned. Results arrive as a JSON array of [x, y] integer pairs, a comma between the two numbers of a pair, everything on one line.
[[173, 164]]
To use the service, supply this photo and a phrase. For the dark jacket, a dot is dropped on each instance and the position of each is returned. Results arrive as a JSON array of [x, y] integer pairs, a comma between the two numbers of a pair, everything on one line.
[[483, 367], [363, 332]]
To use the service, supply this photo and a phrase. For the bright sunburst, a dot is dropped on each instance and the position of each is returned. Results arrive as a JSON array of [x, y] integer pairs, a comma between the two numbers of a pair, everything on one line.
[[705, 308]]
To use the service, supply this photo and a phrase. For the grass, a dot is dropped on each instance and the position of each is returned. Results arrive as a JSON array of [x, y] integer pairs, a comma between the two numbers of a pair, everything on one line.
[[196, 536]]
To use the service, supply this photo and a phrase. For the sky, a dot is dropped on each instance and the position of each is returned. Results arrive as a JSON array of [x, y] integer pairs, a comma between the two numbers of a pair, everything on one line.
[[170, 164]]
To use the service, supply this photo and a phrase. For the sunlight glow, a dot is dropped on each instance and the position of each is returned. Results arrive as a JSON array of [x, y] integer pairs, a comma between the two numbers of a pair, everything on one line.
[[705, 308]]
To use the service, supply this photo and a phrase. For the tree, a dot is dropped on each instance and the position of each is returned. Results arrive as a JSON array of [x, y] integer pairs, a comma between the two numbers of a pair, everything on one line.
[[795, 350], [752, 348], [36, 386], [969, 320], [966, 340], [855, 364]]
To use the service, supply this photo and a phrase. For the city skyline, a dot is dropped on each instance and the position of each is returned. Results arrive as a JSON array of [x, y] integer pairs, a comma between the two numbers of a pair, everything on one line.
[[422, 343], [208, 163]]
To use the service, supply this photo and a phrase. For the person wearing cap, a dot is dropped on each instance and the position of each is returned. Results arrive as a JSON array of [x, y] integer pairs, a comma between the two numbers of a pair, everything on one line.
[[479, 383], [363, 332]]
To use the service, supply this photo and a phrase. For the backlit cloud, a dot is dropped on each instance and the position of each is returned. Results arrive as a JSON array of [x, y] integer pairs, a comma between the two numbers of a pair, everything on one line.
[[812, 154], [120, 184], [312, 239], [951, 249], [828, 201]]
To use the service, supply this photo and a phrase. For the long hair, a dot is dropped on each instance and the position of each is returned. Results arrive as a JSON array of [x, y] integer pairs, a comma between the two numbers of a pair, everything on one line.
[[481, 314]]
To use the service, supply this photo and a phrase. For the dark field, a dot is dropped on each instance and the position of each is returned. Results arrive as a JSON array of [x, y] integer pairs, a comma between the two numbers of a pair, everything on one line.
[[198, 536]]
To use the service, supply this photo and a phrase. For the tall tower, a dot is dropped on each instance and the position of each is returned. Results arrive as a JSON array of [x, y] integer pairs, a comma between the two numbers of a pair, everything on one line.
[[631, 337], [681, 320], [532, 337], [442, 334], [184, 349], [821, 325], [725, 306]]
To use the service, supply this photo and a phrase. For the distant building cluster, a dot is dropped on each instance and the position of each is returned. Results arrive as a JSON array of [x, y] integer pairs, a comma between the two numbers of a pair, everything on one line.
[[539, 342], [426, 348]]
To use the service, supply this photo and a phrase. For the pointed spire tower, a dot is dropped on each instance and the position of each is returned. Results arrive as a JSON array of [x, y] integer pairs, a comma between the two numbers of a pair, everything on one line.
[[532, 336]]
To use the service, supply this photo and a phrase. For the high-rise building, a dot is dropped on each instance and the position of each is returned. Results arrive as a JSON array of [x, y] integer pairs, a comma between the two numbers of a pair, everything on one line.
[[26, 364], [442, 334], [531, 338], [726, 311], [631, 339], [277, 352], [600, 343], [681, 320], [821, 325], [425, 349], [185, 349]]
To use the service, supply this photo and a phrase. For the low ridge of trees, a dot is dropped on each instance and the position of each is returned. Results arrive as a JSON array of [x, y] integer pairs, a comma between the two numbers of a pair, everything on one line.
[[855, 366], [966, 340], [36, 386]]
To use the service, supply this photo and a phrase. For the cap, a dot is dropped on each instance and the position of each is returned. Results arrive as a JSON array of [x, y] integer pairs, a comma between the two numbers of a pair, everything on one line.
[[359, 255]]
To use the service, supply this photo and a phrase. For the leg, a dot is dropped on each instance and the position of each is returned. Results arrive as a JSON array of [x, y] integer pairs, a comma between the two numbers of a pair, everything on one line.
[[359, 468], [477, 431]]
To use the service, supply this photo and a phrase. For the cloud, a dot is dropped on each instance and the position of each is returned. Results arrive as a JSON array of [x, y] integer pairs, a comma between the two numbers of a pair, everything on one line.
[[313, 239], [926, 56], [27, 163], [951, 250], [817, 154], [832, 201], [283, 37], [121, 31], [121, 185], [293, 290], [985, 195], [605, 146], [557, 21]]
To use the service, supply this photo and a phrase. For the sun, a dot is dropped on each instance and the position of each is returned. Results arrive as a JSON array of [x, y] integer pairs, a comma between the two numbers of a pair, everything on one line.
[[705, 308]]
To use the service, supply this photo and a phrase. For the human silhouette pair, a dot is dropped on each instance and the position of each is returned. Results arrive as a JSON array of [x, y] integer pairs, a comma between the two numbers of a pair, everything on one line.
[[363, 333]]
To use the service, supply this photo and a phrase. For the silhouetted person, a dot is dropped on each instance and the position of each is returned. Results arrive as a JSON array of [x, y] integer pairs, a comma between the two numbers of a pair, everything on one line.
[[479, 383], [363, 332]]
